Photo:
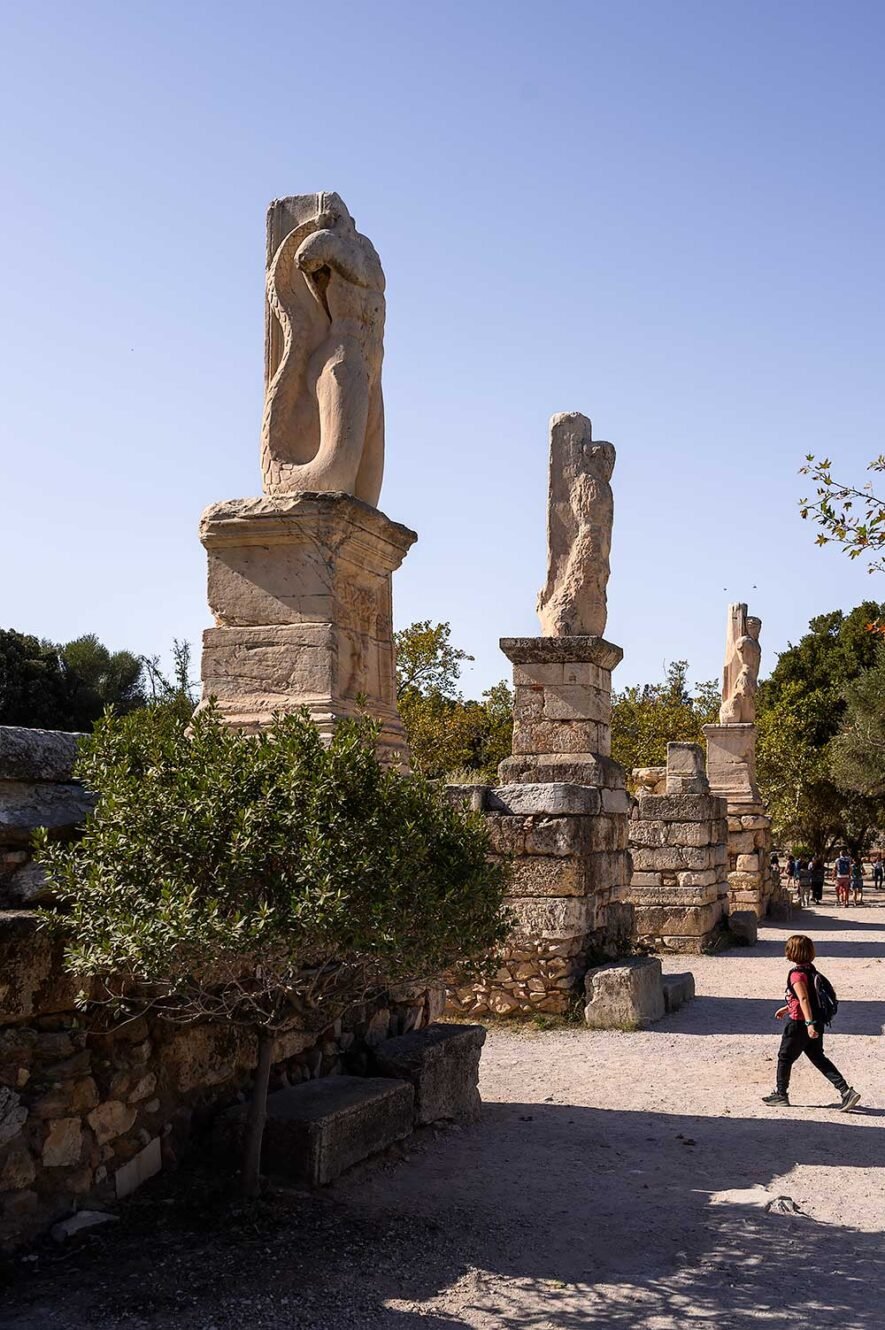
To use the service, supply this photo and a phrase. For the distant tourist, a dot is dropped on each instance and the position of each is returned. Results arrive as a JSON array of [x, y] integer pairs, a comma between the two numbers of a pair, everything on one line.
[[804, 883], [842, 877], [791, 869], [804, 1028], [857, 881], [878, 870], [818, 878]]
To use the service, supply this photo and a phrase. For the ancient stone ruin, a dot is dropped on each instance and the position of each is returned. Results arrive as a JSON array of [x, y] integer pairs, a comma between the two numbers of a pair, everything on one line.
[[731, 768], [678, 835], [300, 578], [560, 813]]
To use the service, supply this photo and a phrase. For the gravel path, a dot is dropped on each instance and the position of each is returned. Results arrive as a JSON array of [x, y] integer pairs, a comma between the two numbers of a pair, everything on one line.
[[617, 1180]]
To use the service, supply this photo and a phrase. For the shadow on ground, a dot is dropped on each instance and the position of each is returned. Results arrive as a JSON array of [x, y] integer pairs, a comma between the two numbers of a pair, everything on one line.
[[542, 1215], [740, 1015]]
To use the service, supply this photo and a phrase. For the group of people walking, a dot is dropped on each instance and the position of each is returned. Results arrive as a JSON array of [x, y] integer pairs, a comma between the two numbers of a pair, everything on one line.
[[808, 876]]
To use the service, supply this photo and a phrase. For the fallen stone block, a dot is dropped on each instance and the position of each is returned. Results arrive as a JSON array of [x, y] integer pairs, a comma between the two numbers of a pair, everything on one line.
[[442, 1063], [678, 989], [744, 927], [67, 1228], [27, 754], [624, 994], [316, 1130]]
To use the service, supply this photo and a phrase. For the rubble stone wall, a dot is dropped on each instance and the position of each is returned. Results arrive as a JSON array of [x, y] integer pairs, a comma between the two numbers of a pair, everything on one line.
[[89, 1113], [566, 847]]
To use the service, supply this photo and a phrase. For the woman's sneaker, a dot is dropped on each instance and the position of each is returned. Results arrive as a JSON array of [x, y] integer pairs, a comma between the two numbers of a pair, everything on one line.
[[850, 1099], [778, 1100]]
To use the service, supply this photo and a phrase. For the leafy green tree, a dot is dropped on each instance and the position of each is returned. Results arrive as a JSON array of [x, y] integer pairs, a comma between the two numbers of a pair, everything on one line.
[[33, 684], [45, 686], [646, 717], [852, 516], [801, 708], [448, 735], [180, 692], [266, 880], [857, 753], [98, 678]]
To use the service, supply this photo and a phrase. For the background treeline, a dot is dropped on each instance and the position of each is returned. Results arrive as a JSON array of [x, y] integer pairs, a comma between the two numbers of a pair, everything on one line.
[[820, 713]]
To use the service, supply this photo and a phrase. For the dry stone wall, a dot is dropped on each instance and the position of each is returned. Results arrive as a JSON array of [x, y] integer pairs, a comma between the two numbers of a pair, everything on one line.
[[678, 843], [89, 1113]]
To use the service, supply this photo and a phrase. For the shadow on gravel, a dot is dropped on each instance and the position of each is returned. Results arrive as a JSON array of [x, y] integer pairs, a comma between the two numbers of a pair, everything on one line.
[[535, 1214], [738, 1015]]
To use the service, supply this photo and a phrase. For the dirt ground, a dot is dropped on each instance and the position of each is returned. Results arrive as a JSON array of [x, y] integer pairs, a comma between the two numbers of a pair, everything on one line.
[[618, 1180]]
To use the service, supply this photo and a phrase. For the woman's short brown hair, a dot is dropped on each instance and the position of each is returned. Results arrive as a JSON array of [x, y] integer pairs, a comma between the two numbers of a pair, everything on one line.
[[800, 949]]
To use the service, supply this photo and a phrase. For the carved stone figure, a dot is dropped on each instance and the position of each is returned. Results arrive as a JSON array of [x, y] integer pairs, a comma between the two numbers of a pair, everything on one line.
[[740, 679], [579, 530], [323, 427]]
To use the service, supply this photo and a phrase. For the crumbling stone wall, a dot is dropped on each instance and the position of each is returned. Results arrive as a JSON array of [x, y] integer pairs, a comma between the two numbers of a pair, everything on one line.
[[678, 841], [89, 1113]]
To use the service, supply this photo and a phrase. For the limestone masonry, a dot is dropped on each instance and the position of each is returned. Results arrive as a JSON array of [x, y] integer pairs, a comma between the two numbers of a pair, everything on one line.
[[300, 579], [560, 814]]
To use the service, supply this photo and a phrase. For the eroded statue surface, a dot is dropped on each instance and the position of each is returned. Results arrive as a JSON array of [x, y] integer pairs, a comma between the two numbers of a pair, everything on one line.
[[323, 426], [580, 514], [740, 677]]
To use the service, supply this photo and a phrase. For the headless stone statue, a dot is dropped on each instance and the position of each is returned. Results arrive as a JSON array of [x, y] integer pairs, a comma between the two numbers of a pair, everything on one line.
[[579, 530], [323, 427], [740, 678]]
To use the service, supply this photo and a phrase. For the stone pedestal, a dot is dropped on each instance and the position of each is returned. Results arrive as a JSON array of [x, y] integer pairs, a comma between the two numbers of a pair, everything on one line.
[[300, 587], [678, 842], [560, 819], [562, 706], [731, 768], [731, 762]]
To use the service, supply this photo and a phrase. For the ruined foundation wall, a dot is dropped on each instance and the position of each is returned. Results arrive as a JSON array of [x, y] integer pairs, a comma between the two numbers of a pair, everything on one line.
[[88, 1113], [678, 841]]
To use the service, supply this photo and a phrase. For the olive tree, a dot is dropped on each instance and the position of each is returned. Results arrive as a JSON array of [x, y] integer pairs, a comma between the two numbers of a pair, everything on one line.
[[265, 880]]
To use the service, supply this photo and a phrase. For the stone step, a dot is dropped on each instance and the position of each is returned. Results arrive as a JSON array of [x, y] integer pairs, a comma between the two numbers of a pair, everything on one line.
[[624, 995], [678, 989], [442, 1063], [317, 1130]]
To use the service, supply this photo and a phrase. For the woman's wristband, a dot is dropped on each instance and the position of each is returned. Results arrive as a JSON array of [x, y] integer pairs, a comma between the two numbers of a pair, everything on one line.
[[811, 1022]]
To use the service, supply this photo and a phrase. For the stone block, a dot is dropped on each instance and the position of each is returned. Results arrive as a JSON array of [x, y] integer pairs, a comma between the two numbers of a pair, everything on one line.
[[556, 674], [540, 917], [442, 1064], [577, 702], [550, 800], [706, 877], [25, 805], [547, 875], [137, 1170], [316, 1130], [13, 1114], [647, 834], [689, 833], [556, 835], [524, 651], [624, 995], [741, 842], [678, 989], [63, 1144], [731, 762], [676, 920], [593, 769], [747, 863], [744, 927], [32, 977], [616, 801], [555, 736], [681, 807], [37, 755]]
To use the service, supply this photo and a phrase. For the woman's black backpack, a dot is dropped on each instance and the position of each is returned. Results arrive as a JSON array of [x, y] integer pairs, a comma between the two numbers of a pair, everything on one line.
[[824, 1003]]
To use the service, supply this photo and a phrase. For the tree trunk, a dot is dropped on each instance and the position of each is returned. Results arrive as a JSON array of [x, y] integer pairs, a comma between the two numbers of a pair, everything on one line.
[[251, 1172]]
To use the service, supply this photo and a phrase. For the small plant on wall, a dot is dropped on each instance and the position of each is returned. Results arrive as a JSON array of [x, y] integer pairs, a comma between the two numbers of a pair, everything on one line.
[[266, 880]]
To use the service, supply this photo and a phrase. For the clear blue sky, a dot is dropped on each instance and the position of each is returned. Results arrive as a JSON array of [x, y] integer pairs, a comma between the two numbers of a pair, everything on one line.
[[666, 215]]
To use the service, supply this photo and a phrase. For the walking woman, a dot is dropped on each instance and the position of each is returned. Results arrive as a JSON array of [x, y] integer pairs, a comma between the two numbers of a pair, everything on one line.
[[804, 1030]]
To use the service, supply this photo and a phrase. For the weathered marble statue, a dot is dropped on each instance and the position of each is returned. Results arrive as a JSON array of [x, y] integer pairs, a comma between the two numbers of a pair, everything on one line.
[[579, 530], [323, 427], [740, 678]]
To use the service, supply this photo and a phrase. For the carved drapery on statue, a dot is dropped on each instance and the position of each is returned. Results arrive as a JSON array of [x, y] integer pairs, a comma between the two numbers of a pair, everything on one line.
[[323, 425], [740, 677], [580, 514]]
